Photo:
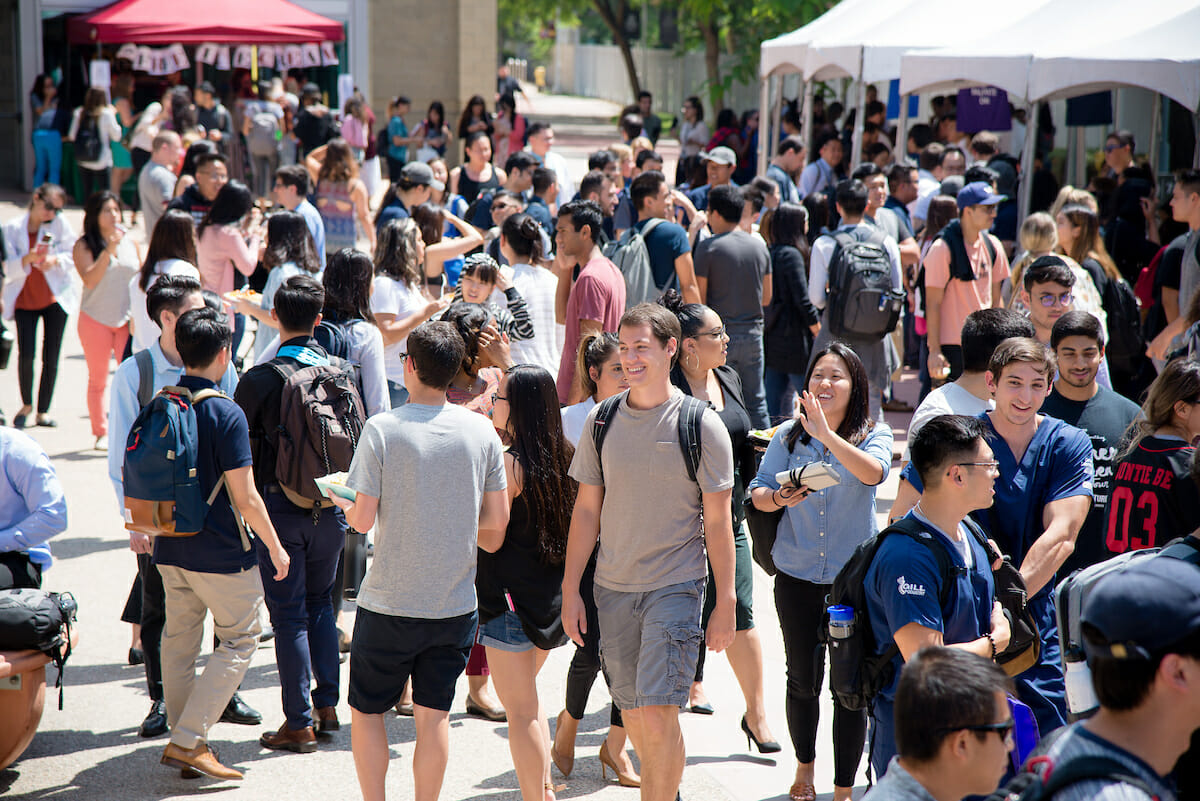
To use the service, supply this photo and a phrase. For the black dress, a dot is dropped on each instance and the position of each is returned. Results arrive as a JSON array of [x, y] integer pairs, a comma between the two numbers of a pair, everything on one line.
[[787, 338], [534, 585]]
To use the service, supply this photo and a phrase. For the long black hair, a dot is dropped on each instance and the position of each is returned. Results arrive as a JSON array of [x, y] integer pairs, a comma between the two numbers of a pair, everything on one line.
[[195, 150], [91, 220], [231, 204], [174, 237], [469, 319], [347, 281], [288, 239], [691, 315], [535, 425], [857, 422]]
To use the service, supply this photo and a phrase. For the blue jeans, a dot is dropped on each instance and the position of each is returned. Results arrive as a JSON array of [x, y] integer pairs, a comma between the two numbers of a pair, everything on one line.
[[775, 383], [746, 356], [301, 606], [47, 153]]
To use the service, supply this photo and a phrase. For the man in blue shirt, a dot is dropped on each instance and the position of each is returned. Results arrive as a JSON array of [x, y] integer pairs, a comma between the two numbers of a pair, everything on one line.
[[216, 569], [136, 382], [291, 192], [788, 162], [719, 164], [32, 510], [667, 243], [1042, 499], [907, 602], [822, 174]]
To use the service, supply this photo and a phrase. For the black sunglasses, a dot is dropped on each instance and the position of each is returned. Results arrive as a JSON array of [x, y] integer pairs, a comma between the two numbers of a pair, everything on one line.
[[1004, 729]]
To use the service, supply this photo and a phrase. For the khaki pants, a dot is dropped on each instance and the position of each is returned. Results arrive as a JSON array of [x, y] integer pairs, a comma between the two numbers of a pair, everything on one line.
[[234, 600]]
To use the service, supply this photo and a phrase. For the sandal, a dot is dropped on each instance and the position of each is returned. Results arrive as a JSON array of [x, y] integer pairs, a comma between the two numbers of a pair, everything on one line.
[[802, 791]]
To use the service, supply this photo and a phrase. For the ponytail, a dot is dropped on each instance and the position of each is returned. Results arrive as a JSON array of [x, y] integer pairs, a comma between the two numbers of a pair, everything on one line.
[[524, 235]]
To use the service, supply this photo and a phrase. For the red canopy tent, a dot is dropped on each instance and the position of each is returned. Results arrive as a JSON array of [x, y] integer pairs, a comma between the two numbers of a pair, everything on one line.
[[164, 22]]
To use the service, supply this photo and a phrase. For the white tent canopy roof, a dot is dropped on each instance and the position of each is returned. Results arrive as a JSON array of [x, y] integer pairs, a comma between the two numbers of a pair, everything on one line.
[[1007, 57], [786, 53], [1164, 58]]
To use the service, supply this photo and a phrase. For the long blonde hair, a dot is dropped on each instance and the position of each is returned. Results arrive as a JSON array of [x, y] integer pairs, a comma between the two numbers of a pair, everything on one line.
[[1038, 236], [1088, 244], [1070, 196]]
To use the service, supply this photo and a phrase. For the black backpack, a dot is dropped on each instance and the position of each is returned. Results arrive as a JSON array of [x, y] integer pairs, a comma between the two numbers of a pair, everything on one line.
[[862, 303], [1041, 778], [689, 428], [856, 672], [87, 139], [1126, 348], [37, 620]]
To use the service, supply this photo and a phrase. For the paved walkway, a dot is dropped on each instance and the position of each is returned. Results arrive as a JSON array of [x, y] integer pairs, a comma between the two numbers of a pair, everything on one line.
[[90, 749]]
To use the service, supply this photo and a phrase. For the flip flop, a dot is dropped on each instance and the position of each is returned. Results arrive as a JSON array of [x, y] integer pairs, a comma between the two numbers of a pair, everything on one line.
[[48, 423], [19, 421]]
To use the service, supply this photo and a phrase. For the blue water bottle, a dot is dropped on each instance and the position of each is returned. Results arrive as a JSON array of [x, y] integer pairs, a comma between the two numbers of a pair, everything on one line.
[[841, 621]]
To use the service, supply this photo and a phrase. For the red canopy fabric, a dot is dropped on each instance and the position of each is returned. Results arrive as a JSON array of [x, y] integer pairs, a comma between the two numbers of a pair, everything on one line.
[[161, 22]]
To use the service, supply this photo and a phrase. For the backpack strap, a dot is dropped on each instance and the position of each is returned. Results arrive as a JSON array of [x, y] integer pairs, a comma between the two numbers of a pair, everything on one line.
[[145, 365], [1084, 768], [605, 410], [917, 531], [690, 415]]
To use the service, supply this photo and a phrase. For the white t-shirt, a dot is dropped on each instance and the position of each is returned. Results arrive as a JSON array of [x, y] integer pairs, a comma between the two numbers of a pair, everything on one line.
[[946, 399], [145, 330], [538, 286], [390, 296], [573, 418]]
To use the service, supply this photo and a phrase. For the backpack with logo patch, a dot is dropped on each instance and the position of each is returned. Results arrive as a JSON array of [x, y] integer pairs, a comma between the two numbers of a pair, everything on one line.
[[632, 258], [88, 146], [862, 303], [163, 497], [321, 417]]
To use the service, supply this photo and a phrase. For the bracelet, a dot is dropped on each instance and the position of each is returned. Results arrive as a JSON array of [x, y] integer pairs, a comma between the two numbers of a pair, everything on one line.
[[991, 642], [774, 501]]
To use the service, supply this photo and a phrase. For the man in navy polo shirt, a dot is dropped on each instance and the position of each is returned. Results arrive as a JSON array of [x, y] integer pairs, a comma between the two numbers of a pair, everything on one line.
[[1042, 499], [904, 583], [667, 244], [216, 570]]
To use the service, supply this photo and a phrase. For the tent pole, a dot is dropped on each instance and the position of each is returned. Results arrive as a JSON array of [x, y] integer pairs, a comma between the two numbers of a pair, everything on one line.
[[776, 116], [806, 124], [1196, 147], [1155, 127], [901, 156], [764, 123], [1027, 155], [856, 141]]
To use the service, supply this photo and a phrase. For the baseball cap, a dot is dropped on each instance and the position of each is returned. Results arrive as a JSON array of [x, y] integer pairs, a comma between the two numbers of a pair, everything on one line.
[[720, 155], [978, 194], [416, 172], [206, 86], [1150, 603]]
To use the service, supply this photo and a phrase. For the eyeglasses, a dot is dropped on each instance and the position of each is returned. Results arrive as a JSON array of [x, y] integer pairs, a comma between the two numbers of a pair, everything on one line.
[[403, 358], [1004, 729], [992, 467], [716, 333], [1111, 148], [51, 207], [496, 396], [1049, 301]]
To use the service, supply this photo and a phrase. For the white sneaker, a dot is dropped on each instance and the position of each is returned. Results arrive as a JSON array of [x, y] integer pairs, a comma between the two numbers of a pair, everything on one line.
[[101, 443]]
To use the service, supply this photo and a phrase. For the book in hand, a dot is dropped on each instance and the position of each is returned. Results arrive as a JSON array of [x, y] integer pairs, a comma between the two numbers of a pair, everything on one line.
[[815, 476], [335, 484]]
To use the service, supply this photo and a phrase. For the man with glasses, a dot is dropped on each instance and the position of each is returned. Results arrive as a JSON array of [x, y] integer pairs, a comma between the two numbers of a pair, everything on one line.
[[963, 272], [212, 173], [954, 729], [1049, 293], [907, 603]]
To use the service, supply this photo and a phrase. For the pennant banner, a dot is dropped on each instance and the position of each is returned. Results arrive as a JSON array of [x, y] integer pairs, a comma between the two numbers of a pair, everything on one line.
[[276, 57], [155, 60]]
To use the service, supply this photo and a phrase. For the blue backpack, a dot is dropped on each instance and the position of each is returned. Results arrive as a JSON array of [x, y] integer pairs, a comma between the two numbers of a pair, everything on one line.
[[162, 491]]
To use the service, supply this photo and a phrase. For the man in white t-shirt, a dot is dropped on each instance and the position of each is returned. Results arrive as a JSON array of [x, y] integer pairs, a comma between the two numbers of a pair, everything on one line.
[[982, 332]]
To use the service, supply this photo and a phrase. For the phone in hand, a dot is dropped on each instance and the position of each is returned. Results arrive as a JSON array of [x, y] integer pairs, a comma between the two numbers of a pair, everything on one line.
[[43, 245]]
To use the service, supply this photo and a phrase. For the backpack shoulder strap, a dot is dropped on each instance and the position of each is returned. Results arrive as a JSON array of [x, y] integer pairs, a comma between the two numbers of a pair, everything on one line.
[[650, 225], [690, 415], [917, 531], [1083, 768], [1186, 548], [145, 365], [605, 411]]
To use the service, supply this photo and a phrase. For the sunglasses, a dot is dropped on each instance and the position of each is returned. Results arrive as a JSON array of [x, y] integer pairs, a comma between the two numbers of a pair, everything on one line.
[[1004, 729], [51, 207]]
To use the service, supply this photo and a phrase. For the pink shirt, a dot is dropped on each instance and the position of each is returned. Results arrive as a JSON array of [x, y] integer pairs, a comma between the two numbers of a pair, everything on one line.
[[963, 297], [598, 294], [221, 249]]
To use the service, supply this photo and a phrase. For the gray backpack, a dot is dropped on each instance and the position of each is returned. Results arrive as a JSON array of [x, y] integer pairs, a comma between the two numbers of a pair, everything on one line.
[[263, 139], [632, 258]]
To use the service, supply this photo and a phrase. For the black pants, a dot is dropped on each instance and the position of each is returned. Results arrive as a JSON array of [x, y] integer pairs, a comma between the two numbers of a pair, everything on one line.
[[55, 318], [154, 618], [799, 605], [18, 571], [586, 662], [93, 181]]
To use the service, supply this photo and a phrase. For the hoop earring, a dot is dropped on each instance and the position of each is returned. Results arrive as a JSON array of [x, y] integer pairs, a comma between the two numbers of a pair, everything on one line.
[[692, 356]]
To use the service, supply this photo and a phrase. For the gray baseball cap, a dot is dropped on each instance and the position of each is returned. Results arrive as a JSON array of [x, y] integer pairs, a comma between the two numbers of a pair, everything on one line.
[[416, 172], [720, 155]]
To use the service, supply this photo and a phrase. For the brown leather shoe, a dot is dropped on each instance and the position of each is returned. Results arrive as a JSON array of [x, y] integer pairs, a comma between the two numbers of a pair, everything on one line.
[[200, 759], [302, 741], [326, 720]]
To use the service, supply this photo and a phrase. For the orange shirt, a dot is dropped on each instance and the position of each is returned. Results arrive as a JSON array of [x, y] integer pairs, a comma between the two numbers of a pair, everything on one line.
[[35, 294], [963, 297]]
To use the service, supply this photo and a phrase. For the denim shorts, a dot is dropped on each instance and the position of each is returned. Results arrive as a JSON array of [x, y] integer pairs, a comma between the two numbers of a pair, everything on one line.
[[504, 633], [650, 643]]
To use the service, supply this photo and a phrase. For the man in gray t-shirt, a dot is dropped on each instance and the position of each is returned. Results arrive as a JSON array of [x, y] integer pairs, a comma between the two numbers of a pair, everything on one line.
[[733, 270], [637, 499], [156, 182], [430, 477]]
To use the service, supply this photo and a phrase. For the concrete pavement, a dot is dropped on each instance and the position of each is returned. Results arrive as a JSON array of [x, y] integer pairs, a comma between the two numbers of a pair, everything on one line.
[[90, 749]]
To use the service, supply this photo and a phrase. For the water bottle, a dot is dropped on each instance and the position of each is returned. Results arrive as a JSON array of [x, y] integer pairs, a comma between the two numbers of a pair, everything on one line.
[[841, 621]]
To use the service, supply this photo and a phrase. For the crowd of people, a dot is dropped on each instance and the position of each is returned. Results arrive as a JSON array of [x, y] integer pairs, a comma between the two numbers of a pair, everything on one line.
[[507, 319]]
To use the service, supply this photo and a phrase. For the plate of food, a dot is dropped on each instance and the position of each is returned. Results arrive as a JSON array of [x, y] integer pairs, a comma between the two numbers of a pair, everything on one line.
[[335, 484], [233, 296]]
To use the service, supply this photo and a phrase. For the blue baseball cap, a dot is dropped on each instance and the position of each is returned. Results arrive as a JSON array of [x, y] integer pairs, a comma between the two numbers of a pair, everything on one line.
[[978, 194], [1149, 604]]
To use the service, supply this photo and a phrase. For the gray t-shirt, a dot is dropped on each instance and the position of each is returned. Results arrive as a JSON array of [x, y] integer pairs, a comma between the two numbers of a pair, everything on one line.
[[1077, 741], [156, 185], [887, 221], [734, 264], [429, 467], [650, 530], [898, 785]]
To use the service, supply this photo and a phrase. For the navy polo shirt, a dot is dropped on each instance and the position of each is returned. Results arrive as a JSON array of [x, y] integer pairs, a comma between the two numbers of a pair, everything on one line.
[[224, 444]]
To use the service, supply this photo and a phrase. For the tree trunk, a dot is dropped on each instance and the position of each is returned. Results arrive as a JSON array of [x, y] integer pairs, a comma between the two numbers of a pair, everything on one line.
[[712, 63], [615, 20]]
